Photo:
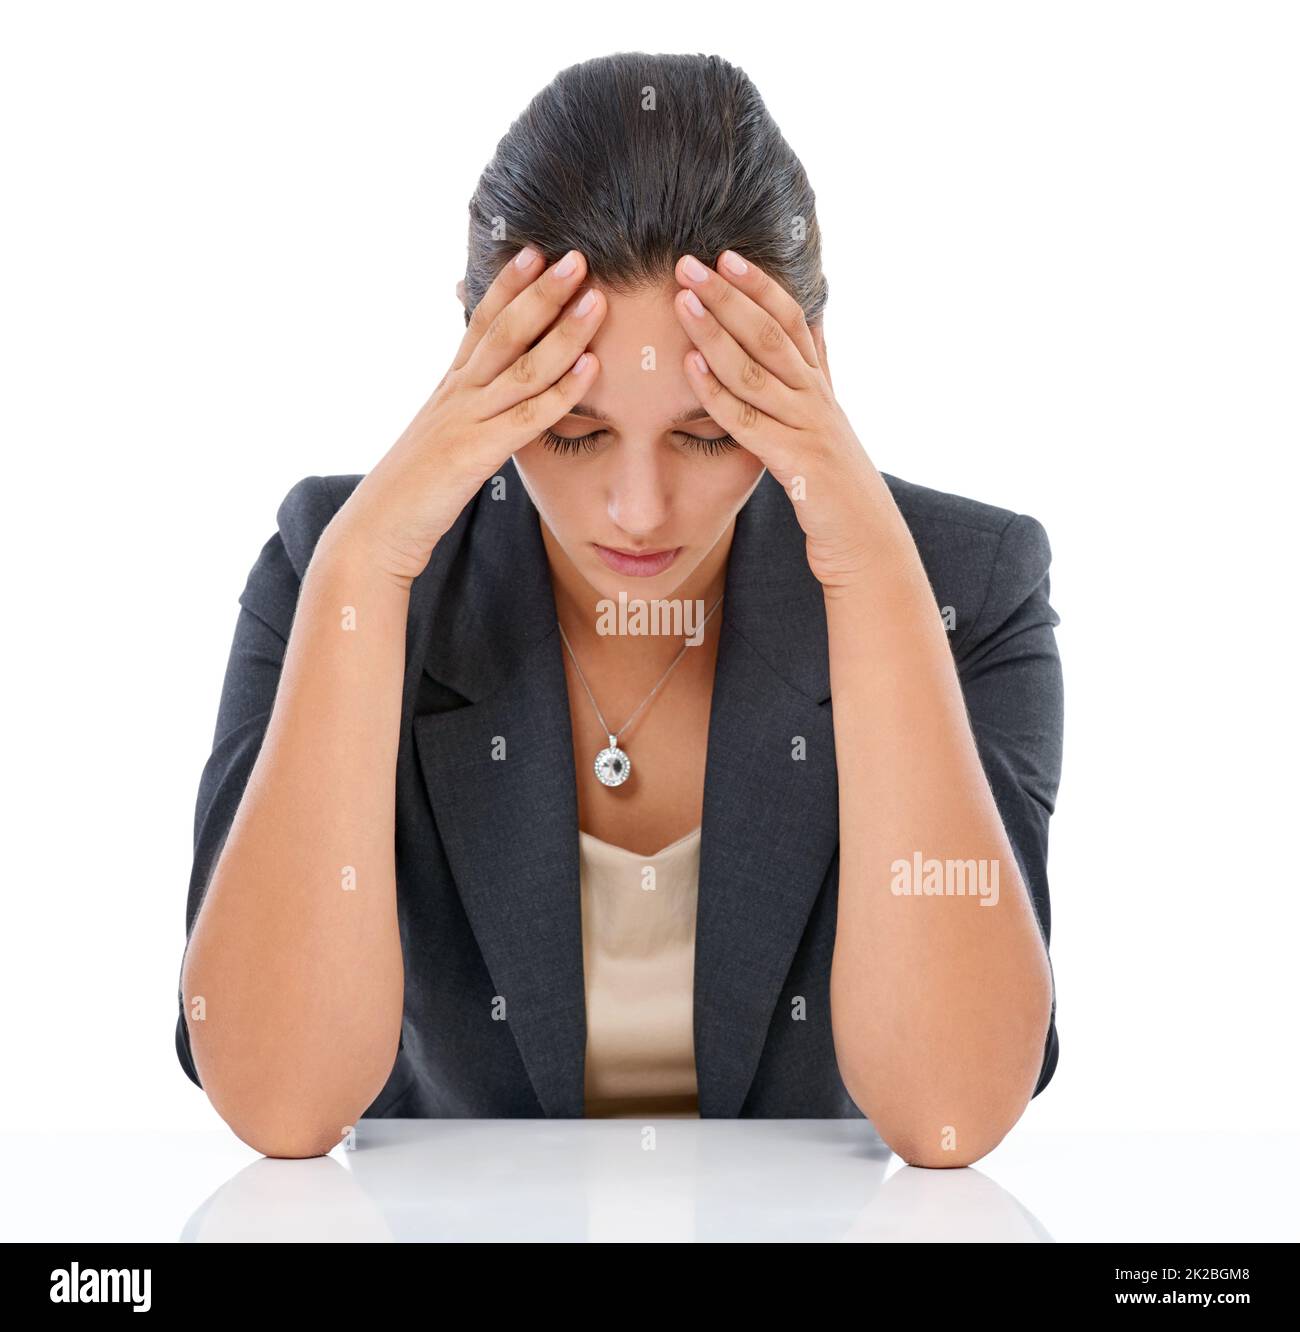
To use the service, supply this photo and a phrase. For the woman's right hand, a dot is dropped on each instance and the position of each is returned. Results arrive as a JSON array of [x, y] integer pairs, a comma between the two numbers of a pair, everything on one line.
[[500, 393]]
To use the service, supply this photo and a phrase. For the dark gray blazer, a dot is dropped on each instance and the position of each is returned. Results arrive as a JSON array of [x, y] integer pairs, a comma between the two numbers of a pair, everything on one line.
[[487, 851]]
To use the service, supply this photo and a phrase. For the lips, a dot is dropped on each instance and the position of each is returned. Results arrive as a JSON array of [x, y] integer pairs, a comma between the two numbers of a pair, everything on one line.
[[643, 564]]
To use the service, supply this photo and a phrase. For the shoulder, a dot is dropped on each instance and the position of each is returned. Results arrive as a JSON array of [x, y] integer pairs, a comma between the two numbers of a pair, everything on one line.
[[983, 560], [271, 590], [305, 512]]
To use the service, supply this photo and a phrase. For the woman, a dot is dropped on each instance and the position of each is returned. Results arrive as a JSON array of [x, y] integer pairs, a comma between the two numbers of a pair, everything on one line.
[[682, 765]]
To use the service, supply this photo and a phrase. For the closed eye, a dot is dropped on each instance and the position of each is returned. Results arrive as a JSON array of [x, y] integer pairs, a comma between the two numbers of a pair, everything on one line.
[[722, 444], [570, 443], [587, 443]]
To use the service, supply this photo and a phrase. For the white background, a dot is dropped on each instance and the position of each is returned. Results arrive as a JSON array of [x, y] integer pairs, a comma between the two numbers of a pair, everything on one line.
[[1061, 241]]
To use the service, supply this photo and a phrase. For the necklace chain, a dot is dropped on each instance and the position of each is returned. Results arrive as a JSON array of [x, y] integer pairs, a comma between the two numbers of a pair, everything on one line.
[[614, 735]]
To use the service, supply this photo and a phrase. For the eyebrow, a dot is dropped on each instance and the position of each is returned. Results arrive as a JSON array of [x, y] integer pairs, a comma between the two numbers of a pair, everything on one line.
[[690, 414]]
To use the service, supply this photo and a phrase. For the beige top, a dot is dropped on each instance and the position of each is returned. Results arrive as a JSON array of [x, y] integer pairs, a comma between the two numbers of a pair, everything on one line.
[[638, 947]]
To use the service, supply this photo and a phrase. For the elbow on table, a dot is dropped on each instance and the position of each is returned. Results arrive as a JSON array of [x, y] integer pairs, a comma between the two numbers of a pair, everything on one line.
[[938, 1136], [951, 1110], [935, 1152], [287, 1138], [283, 1125], [287, 1115]]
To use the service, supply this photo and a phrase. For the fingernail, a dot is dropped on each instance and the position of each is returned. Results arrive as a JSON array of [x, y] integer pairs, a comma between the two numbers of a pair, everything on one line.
[[692, 302], [700, 363], [581, 363], [567, 264], [734, 262], [585, 304], [694, 269], [525, 257]]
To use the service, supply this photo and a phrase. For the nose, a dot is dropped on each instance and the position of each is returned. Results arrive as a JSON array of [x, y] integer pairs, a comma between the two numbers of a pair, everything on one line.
[[638, 499]]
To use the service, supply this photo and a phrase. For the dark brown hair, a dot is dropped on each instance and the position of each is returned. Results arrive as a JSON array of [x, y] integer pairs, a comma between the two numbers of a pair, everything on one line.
[[637, 159]]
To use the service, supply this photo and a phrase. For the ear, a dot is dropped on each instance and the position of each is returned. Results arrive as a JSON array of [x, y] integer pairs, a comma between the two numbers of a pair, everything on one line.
[[819, 341], [460, 292]]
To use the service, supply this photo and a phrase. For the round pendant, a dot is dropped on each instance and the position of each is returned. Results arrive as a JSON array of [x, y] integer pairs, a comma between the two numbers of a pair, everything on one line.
[[613, 767]]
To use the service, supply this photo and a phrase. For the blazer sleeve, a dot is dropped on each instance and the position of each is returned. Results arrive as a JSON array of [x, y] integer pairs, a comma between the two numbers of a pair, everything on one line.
[[1010, 673], [266, 610]]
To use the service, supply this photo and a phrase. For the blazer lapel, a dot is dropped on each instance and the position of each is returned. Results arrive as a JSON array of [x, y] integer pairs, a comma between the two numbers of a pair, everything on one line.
[[771, 824], [500, 778], [501, 783]]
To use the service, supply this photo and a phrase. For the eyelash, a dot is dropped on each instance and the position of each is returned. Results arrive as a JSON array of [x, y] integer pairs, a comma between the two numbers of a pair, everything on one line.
[[586, 443]]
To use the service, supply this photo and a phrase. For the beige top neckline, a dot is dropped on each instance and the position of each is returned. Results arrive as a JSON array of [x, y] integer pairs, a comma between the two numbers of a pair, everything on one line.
[[608, 849], [638, 943]]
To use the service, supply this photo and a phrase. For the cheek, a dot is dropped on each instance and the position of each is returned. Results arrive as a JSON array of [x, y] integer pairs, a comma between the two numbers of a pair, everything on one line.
[[718, 487], [549, 482]]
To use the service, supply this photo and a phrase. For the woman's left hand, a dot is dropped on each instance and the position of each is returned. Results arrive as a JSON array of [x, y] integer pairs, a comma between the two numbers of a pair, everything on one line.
[[762, 380]]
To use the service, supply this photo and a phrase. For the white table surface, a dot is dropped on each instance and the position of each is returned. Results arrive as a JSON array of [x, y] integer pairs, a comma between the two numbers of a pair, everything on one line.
[[794, 1179]]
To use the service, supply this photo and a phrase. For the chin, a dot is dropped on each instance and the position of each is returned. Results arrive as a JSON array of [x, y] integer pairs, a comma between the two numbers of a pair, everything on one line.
[[610, 585]]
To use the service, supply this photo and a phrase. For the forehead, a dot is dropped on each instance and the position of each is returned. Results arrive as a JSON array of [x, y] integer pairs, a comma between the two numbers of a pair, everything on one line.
[[640, 346]]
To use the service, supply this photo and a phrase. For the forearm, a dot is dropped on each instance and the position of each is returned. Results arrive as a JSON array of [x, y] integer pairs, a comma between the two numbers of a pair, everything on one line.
[[940, 1001], [296, 953]]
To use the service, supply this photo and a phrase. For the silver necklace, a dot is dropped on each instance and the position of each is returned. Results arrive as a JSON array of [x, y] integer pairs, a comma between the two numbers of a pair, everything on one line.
[[613, 766]]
